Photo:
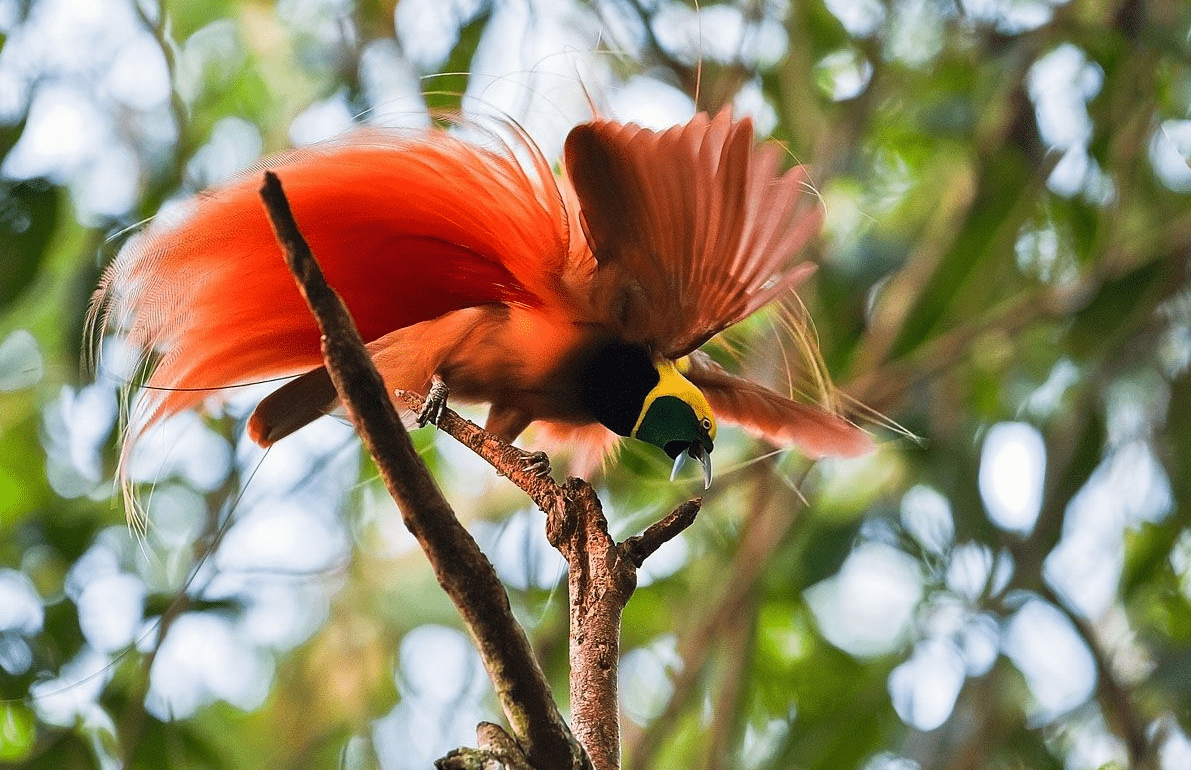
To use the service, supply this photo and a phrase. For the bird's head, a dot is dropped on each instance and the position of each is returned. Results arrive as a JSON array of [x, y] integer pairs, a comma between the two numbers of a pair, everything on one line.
[[629, 391], [676, 418]]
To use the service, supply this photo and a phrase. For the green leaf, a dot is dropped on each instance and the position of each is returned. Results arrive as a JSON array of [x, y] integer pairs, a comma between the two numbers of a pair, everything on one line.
[[28, 218], [982, 248], [1114, 310], [10, 133], [16, 732], [62, 749], [444, 92]]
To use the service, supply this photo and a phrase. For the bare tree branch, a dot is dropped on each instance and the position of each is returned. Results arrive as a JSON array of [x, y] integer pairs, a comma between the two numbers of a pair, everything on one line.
[[640, 548], [602, 575], [497, 751], [461, 568]]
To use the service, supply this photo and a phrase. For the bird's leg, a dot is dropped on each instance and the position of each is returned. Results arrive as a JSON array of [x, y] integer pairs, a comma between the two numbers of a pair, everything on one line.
[[508, 422], [436, 401]]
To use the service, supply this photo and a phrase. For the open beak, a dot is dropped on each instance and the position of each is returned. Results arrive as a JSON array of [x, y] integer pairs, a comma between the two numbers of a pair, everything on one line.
[[683, 458]]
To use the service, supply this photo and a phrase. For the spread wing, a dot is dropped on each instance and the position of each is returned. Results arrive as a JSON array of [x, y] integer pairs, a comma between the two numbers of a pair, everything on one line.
[[692, 228], [818, 432]]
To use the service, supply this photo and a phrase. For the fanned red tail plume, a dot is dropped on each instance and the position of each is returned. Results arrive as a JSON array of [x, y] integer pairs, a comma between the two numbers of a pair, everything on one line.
[[406, 228]]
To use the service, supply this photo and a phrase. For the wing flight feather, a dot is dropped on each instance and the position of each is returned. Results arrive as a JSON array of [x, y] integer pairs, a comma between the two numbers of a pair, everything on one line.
[[692, 228], [782, 421]]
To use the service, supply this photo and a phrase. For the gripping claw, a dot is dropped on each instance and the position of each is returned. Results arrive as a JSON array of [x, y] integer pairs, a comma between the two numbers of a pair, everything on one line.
[[536, 463], [436, 401]]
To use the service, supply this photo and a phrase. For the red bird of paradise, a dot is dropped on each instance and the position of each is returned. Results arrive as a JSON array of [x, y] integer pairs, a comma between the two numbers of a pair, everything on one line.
[[578, 302]]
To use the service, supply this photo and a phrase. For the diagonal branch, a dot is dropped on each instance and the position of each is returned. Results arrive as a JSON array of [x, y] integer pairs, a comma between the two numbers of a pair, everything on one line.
[[461, 568]]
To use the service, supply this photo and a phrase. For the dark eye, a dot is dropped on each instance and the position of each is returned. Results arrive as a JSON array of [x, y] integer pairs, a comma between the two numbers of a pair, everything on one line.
[[706, 423]]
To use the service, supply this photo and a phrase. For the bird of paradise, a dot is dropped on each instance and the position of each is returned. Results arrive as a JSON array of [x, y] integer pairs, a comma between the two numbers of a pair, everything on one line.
[[578, 302]]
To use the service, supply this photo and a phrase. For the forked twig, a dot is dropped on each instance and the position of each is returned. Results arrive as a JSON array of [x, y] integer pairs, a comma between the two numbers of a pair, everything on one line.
[[601, 576]]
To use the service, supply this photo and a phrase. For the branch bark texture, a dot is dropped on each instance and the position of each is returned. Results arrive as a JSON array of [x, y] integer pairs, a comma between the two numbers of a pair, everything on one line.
[[460, 567]]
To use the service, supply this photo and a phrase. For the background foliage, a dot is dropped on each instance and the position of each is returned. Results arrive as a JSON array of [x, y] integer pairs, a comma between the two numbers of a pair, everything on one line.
[[1004, 273]]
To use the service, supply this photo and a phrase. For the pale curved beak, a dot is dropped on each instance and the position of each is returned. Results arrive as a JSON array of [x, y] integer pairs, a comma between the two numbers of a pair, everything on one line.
[[683, 458]]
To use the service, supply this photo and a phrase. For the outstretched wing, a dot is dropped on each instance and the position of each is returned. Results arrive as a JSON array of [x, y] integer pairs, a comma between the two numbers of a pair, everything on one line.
[[816, 431], [406, 228], [693, 228]]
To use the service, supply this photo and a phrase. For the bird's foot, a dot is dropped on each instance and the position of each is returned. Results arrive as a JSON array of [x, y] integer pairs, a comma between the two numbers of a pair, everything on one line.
[[435, 403], [536, 463]]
